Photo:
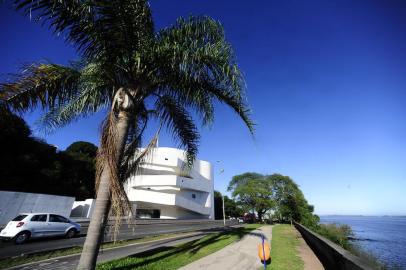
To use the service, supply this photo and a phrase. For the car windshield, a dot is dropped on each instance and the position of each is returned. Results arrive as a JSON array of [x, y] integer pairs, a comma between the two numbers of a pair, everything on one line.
[[19, 218]]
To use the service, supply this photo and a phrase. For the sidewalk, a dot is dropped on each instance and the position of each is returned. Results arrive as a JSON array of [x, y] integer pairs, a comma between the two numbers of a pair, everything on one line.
[[241, 255]]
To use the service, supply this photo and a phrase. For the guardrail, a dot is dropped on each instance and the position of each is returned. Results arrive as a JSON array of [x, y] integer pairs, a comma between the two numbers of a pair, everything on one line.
[[331, 255]]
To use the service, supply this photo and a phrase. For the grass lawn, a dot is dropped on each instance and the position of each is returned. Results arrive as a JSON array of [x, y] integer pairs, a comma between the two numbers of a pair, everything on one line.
[[9, 262], [175, 257], [284, 249]]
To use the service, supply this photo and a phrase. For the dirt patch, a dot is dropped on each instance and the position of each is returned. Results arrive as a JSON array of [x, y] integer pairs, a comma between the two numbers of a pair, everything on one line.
[[311, 262]]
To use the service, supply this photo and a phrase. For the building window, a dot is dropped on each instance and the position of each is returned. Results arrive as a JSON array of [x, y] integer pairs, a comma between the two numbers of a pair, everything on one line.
[[148, 213], [194, 196]]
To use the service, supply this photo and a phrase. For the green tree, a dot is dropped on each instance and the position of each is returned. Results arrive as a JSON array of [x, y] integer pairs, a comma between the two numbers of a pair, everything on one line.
[[231, 208], [82, 149], [253, 192], [290, 202], [27, 164], [138, 74], [218, 205], [78, 168]]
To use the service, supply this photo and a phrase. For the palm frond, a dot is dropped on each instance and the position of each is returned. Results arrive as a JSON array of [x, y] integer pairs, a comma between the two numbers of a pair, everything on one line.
[[108, 159], [197, 64], [138, 156], [179, 122], [103, 29], [95, 93], [47, 85]]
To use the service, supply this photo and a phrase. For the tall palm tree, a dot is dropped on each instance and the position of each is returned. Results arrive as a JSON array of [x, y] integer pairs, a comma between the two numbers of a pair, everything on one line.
[[135, 72]]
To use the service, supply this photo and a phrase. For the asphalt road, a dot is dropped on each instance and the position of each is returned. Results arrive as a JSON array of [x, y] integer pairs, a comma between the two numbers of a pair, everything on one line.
[[126, 232], [70, 262]]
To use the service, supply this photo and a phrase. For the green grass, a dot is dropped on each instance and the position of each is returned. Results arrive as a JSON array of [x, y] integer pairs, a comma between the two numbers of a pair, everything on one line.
[[9, 262], [284, 249], [175, 257]]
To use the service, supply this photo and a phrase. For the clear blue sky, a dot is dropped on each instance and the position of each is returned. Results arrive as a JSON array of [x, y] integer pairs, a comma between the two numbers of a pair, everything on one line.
[[326, 81]]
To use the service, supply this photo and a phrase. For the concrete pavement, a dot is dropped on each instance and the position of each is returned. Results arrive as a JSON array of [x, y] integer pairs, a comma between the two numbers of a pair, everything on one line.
[[241, 255]]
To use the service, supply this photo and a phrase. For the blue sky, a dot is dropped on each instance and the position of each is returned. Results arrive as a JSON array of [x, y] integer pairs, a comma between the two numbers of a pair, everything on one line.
[[326, 81]]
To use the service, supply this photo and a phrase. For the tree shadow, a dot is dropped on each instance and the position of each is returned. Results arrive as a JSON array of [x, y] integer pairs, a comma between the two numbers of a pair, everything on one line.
[[260, 235], [192, 247]]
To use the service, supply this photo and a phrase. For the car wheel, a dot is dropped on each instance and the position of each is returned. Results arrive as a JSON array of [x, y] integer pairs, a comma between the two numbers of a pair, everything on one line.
[[21, 238], [71, 233]]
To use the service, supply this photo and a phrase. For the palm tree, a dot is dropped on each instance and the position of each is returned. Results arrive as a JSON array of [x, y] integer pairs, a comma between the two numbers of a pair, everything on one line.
[[137, 74]]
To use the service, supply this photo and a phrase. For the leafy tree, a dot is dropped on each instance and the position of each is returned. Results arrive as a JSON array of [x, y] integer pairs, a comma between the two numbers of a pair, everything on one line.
[[78, 162], [231, 208], [138, 74], [253, 192], [218, 205], [82, 149], [290, 201], [28, 164]]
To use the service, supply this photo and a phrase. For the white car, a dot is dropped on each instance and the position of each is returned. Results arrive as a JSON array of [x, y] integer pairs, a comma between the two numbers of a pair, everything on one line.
[[36, 225]]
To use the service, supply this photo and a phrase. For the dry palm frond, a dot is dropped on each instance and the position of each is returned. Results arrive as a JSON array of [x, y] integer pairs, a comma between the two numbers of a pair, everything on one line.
[[143, 156], [109, 159]]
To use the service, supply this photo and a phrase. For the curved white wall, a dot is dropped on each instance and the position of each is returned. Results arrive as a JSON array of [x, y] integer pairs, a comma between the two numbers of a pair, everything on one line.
[[163, 184]]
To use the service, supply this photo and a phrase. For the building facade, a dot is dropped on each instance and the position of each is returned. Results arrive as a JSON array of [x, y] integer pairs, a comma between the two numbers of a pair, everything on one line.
[[165, 189]]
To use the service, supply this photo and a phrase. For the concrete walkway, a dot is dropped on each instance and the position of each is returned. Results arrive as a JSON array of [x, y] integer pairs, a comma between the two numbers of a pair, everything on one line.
[[241, 255]]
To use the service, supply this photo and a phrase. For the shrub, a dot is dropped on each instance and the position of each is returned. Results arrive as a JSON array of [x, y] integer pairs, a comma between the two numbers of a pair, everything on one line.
[[339, 234]]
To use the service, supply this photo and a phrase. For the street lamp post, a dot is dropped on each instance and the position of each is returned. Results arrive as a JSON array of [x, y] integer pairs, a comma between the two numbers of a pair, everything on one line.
[[224, 213], [222, 197]]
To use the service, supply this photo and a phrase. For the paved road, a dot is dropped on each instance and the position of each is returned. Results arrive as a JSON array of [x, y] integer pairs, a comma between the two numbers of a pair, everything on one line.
[[70, 262], [126, 232]]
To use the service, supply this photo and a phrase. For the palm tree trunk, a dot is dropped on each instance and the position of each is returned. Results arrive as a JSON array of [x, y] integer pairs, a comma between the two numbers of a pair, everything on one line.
[[99, 218]]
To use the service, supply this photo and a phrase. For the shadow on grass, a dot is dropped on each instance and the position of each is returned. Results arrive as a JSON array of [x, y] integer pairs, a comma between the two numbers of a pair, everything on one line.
[[193, 247], [268, 262]]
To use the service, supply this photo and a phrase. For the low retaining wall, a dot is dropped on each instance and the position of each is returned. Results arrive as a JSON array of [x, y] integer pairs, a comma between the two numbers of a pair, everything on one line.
[[332, 256], [85, 222], [12, 203]]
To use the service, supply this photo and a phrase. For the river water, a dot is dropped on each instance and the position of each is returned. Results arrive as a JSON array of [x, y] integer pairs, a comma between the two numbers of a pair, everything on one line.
[[384, 236]]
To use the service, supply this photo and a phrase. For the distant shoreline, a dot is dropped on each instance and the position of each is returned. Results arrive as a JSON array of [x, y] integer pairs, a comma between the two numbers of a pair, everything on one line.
[[402, 216]]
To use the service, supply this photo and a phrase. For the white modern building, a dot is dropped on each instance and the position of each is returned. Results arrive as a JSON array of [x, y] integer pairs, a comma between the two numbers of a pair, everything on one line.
[[164, 189]]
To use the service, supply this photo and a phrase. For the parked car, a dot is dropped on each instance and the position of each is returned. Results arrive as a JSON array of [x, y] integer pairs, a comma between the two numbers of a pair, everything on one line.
[[37, 225]]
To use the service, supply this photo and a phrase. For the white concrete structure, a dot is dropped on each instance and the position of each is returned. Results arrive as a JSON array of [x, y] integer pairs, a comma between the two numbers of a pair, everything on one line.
[[12, 203], [164, 189], [83, 209]]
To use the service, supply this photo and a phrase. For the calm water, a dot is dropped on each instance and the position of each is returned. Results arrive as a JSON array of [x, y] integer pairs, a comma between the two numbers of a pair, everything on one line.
[[385, 237]]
